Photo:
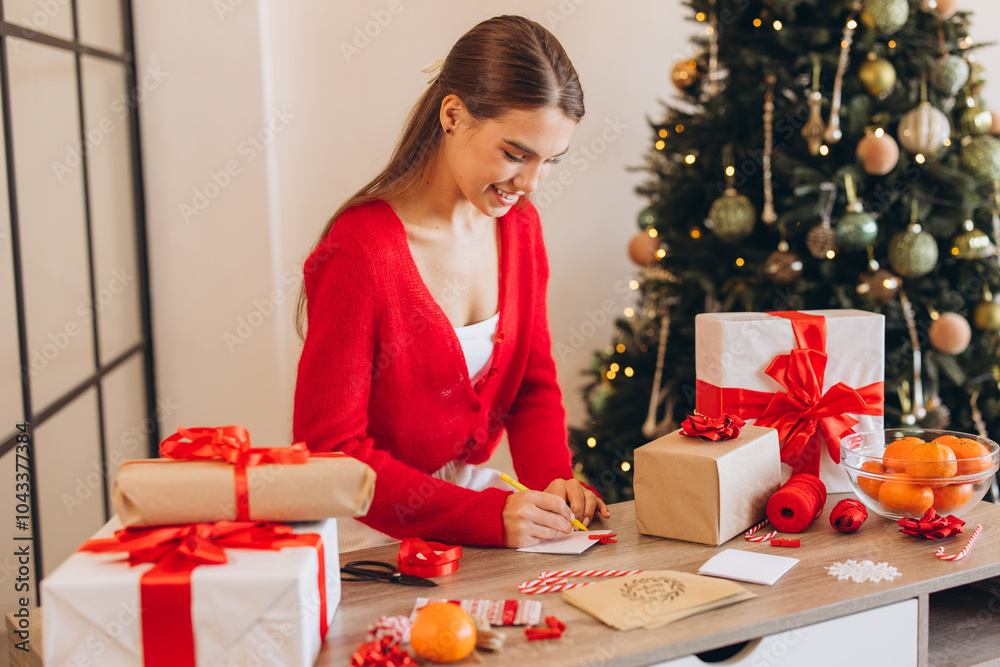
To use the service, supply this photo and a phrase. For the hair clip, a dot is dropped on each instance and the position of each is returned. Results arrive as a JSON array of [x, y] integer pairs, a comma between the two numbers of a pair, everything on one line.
[[433, 70]]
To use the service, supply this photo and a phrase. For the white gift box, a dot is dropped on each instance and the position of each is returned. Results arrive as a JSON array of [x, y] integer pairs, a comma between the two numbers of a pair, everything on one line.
[[261, 607], [733, 350]]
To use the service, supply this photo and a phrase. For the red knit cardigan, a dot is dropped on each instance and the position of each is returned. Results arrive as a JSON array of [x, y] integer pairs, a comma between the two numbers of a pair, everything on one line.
[[382, 377]]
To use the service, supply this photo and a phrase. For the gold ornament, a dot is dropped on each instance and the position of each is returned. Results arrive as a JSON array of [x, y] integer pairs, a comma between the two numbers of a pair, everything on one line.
[[981, 157], [948, 74], [783, 267], [878, 75], [885, 15], [822, 240], [880, 285], [814, 128], [976, 118], [972, 243], [685, 74], [913, 252], [924, 130], [977, 76], [986, 316], [732, 216]]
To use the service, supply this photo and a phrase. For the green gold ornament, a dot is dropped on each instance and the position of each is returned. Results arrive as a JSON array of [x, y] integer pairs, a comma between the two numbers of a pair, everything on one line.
[[948, 74], [855, 229], [885, 15], [977, 76], [981, 157], [913, 252], [877, 74], [976, 118], [972, 243], [986, 316], [647, 217], [732, 216]]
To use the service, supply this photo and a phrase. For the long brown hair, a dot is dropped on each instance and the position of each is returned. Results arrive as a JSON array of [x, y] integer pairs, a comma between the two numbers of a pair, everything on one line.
[[502, 64]]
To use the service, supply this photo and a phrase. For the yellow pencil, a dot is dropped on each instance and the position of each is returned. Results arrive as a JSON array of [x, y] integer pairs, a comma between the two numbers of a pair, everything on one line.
[[521, 487]]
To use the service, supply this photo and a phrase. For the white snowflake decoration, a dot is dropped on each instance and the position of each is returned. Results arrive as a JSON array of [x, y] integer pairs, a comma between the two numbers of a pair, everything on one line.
[[866, 570]]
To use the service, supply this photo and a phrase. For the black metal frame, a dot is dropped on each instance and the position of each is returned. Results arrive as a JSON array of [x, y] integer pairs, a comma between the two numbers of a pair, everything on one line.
[[145, 345]]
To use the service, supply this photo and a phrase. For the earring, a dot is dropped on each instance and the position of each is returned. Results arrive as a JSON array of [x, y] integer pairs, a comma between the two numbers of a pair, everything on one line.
[[448, 131]]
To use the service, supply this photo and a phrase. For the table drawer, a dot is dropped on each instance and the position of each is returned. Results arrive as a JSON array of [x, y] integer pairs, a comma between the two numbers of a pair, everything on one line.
[[883, 636]]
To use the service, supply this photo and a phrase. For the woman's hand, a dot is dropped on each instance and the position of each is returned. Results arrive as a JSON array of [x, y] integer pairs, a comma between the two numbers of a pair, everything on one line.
[[532, 516], [582, 500]]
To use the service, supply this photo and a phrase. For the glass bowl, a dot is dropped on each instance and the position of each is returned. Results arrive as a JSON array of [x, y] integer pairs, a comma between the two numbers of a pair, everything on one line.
[[899, 486]]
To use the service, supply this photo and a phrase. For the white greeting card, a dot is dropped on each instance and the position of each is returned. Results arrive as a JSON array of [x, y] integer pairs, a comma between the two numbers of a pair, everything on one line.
[[750, 566]]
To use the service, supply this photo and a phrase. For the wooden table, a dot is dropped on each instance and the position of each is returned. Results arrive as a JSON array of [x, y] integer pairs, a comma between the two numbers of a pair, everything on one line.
[[806, 595]]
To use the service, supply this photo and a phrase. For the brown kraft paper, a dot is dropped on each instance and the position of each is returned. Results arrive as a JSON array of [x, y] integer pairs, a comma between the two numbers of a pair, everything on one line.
[[157, 492]]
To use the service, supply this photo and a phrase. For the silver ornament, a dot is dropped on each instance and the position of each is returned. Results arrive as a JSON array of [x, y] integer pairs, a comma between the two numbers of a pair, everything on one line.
[[948, 74], [924, 130]]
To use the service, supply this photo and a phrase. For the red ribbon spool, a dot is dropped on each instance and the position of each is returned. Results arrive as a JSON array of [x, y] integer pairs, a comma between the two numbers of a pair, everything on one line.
[[848, 515], [427, 559], [796, 504]]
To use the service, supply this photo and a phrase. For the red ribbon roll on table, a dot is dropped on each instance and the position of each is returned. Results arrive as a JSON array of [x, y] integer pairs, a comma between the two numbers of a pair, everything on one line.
[[796, 504], [848, 515], [427, 559]]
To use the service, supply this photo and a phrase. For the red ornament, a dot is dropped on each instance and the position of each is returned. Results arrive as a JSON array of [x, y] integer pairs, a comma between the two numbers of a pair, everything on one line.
[[725, 427], [796, 504], [382, 653], [848, 515], [554, 631], [931, 526]]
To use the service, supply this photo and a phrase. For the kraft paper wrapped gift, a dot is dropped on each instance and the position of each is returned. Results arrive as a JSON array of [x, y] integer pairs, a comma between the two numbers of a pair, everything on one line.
[[261, 607], [703, 491], [201, 483], [815, 375]]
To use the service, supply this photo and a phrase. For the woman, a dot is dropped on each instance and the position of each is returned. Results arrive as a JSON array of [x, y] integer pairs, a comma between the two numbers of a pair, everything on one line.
[[427, 329]]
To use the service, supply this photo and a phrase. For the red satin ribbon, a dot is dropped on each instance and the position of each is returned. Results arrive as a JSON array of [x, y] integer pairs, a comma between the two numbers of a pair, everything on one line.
[[803, 415], [931, 526], [232, 445], [385, 652], [848, 515], [165, 590], [438, 559], [554, 631]]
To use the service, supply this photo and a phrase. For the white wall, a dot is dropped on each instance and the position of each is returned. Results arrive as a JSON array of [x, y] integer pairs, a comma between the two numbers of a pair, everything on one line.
[[225, 278]]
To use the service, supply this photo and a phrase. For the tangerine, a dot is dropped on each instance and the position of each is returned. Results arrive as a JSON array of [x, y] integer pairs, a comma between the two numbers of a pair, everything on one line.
[[951, 497], [972, 456], [897, 453], [442, 632], [932, 460], [906, 497], [946, 440], [870, 485]]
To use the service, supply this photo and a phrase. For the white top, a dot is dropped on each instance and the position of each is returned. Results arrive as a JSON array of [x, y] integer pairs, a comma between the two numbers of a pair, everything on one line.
[[477, 343]]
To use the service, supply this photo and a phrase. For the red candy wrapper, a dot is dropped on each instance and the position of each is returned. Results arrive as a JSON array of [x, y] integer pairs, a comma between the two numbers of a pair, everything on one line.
[[931, 526], [724, 427], [848, 515], [382, 653]]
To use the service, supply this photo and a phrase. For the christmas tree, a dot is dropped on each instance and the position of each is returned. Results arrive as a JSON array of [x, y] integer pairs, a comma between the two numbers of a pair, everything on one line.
[[820, 154]]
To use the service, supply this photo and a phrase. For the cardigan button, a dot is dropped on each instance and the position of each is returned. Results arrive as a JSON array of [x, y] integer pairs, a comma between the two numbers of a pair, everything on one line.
[[476, 406], [493, 372], [499, 336]]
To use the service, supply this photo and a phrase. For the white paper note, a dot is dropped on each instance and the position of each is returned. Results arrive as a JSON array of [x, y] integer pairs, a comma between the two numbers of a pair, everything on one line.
[[575, 543], [749, 566]]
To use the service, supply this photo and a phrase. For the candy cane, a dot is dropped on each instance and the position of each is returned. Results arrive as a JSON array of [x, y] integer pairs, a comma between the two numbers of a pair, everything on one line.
[[965, 550], [759, 538], [550, 582]]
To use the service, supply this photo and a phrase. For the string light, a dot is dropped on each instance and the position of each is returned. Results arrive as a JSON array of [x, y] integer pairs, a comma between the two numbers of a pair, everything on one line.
[[824, 149], [892, 43], [660, 145], [954, 250], [852, 24], [830, 254], [695, 234], [652, 232], [947, 142], [756, 23], [700, 16], [634, 284], [730, 171], [611, 375], [625, 466], [709, 30], [739, 261], [777, 25], [679, 128], [661, 253], [689, 159], [629, 312], [879, 132], [614, 367], [620, 348], [592, 442], [629, 372], [919, 158], [663, 133]]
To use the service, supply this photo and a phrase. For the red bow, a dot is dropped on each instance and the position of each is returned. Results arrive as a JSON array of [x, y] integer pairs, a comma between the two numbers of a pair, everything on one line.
[[232, 445], [165, 590], [723, 427], [554, 631], [383, 652], [931, 526], [804, 416]]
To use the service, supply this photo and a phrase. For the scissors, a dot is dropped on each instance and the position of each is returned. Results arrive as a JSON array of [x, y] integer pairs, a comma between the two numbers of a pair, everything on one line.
[[381, 571]]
